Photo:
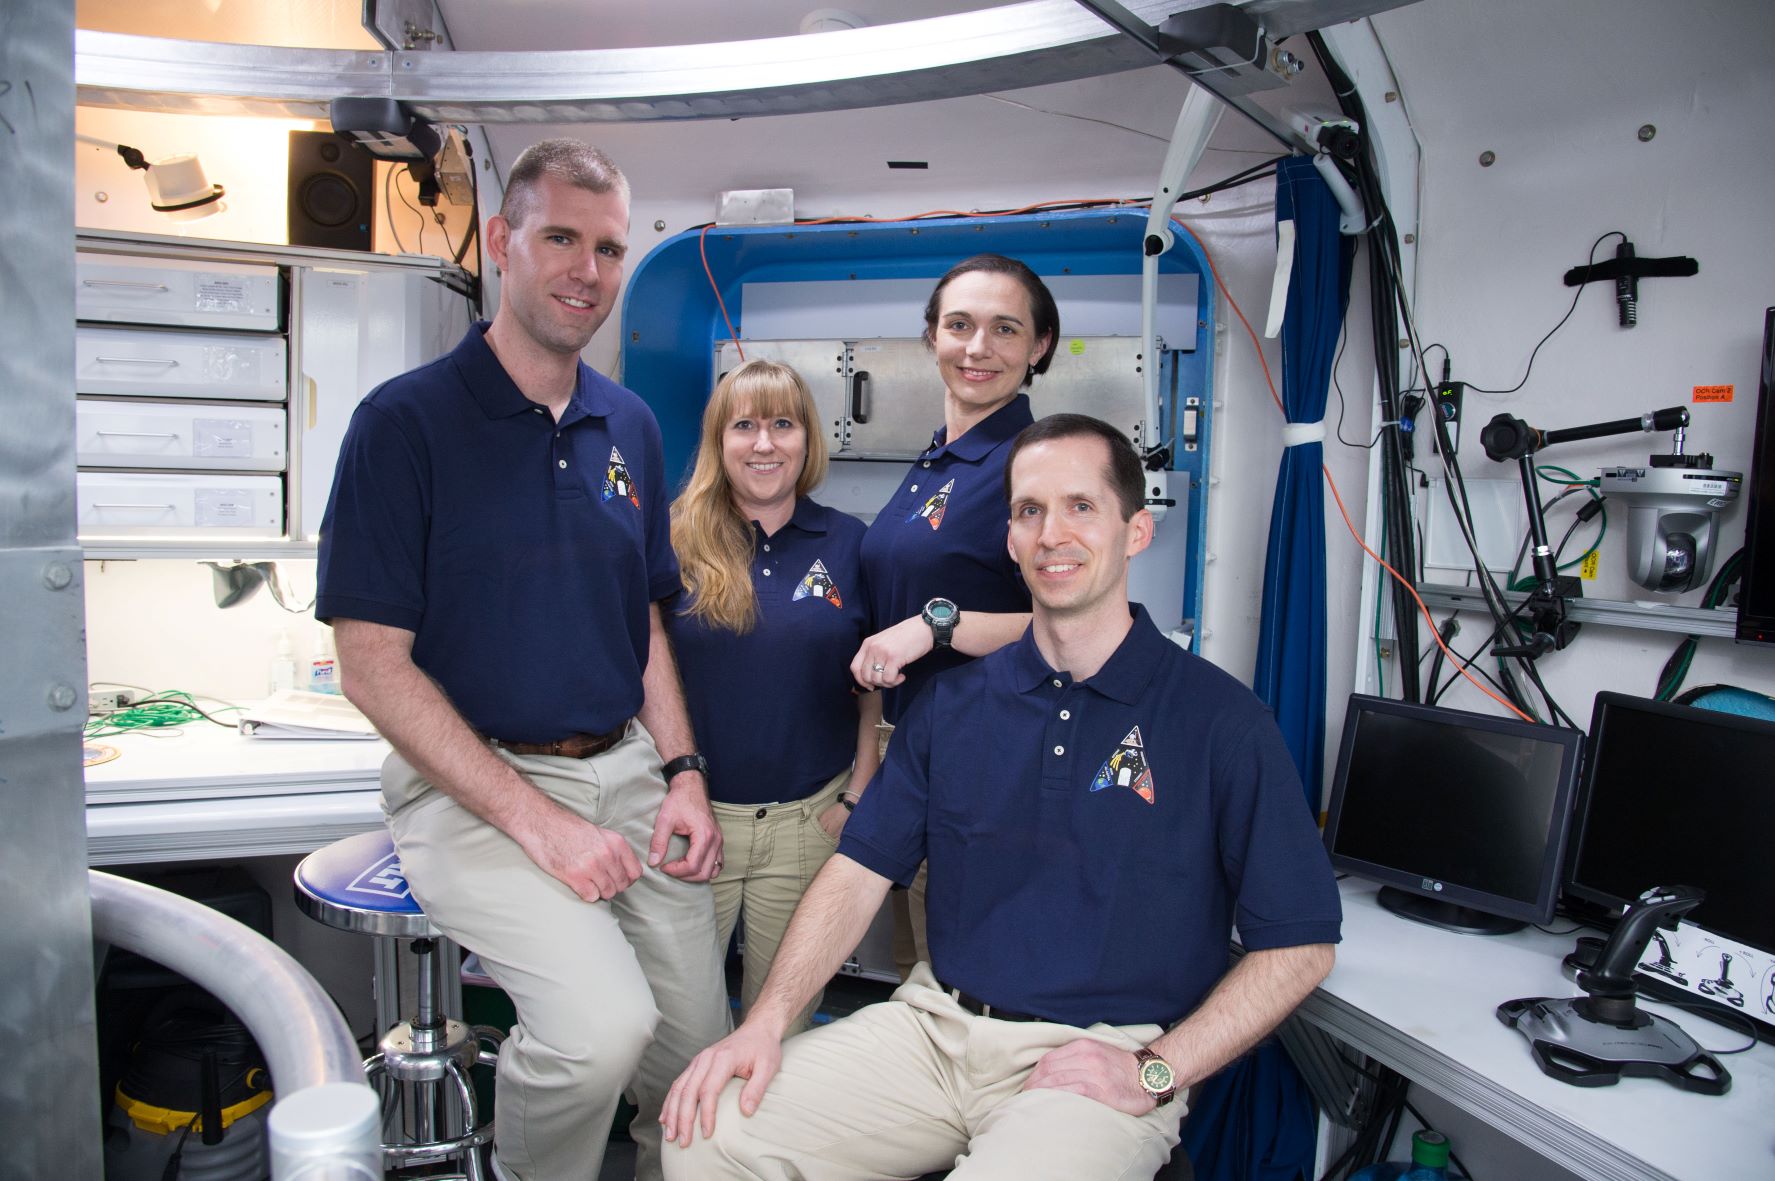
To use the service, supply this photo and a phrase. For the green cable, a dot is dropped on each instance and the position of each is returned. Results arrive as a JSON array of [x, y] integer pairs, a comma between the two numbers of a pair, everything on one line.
[[1528, 582], [1571, 478], [1380, 663], [160, 710]]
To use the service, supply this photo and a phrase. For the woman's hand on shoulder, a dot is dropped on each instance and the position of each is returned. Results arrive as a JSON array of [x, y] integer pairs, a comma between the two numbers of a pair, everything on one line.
[[880, 663]]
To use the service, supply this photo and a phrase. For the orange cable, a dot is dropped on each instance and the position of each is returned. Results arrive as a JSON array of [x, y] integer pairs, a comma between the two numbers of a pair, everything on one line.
[[1332, 484], [1221, 283], [929, 213], [702, 249]]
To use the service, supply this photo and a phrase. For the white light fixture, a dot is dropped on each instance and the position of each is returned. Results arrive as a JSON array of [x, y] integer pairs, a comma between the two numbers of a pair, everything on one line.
[[177, 185], [831, 20]]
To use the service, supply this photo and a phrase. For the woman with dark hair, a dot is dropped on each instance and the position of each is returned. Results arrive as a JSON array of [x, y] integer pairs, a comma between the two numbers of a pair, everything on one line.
[[939, 572], [774, 606]]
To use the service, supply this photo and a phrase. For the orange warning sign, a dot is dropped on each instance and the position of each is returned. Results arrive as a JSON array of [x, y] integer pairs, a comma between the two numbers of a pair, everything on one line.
[[1713, 393]]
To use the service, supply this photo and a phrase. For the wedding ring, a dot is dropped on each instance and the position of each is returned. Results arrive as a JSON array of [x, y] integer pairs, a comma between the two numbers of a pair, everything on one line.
[[880, 668]]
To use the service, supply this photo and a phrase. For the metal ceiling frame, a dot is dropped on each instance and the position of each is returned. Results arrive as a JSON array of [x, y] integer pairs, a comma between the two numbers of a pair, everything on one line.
[[1008, 48]]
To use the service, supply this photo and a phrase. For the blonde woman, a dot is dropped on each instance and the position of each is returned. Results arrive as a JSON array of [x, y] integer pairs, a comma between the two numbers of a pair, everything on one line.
[[772, 612]]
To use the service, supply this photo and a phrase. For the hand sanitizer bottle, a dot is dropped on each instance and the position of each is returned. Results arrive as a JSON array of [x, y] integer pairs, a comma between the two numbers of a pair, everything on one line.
[[283, 665], [323, 670]]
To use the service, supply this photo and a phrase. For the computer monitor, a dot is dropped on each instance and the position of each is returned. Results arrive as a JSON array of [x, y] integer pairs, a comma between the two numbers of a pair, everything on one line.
[[1756, 593], [1461, 817], [1675, 795]]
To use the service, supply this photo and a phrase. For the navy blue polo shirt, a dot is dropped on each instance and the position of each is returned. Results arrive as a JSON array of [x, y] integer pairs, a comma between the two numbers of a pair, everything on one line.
[[1092, 843], [521, 552], [943, 535], [774, 710]]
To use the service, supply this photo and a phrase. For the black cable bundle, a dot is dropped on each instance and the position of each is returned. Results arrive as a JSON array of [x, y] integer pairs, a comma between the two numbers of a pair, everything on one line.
[[1383, 266]]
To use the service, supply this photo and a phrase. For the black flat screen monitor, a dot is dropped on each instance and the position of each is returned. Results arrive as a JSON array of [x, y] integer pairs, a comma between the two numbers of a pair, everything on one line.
[[1756, 595], [1461, 817], [1675, 795]]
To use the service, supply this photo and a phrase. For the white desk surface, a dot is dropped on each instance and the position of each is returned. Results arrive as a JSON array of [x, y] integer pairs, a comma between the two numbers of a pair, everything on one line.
[[1422, 1000], [209, 792]]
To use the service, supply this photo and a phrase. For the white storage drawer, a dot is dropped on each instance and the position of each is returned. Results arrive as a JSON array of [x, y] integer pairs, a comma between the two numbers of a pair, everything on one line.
[[121, 289], [222, 505], [184, 435], [131, 362]]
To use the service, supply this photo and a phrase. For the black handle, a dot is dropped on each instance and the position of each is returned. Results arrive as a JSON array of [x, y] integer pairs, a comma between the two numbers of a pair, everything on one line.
[[1661, 906], [858, 380], [210, 1097]]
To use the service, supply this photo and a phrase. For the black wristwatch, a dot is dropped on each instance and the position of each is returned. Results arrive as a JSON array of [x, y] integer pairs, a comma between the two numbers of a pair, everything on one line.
[[942, 615], [687, 763]]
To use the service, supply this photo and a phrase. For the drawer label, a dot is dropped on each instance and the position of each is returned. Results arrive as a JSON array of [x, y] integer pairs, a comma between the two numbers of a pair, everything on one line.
[[223, 508], [216, 438], [221, 293], [225, 363]]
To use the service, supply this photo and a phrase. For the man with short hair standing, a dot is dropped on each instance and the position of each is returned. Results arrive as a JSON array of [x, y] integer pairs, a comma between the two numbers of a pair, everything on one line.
[[1098, 807], [491, 560]]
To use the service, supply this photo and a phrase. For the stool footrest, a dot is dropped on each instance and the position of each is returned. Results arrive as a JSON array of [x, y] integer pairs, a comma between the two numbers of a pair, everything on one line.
[[397, 1155]]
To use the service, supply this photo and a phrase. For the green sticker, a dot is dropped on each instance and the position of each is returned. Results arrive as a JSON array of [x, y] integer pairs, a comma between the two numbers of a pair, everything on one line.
[[1076, 348]]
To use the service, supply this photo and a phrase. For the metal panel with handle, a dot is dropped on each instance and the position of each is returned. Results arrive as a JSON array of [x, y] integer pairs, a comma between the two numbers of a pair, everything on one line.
[[895, 399]]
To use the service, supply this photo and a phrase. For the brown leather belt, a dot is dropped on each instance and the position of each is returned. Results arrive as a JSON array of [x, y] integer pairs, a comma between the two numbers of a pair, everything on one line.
[[574, 746], [980, 1008]]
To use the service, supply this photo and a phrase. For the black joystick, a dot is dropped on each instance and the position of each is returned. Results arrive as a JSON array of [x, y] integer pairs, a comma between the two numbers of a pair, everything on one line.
[[1592, 1040]]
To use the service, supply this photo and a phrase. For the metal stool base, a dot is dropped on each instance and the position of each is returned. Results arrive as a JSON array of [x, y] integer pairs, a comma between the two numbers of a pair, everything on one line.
[[437, 1077]]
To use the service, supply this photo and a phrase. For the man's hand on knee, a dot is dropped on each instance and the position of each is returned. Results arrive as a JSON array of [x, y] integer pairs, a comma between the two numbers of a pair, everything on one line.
[[1095, 1070], [749, 1053], [685, 812], [595, 863]]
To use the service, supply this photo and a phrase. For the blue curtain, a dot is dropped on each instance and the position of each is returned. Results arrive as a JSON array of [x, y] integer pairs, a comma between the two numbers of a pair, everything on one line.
[[1290, 674], [1254, 1121]]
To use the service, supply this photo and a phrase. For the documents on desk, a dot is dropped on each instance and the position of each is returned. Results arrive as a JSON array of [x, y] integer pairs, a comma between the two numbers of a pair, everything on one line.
[[296, 713], [205, 762]]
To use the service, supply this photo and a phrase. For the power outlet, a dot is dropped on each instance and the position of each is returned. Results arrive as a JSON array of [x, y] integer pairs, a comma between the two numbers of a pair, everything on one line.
[[108, 701]]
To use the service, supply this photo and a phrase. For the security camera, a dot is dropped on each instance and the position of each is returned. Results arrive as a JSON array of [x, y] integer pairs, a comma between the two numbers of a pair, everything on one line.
[[387, 129]]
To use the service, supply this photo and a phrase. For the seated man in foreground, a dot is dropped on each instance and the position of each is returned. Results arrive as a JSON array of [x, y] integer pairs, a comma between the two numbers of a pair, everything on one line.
[[1096, 806]]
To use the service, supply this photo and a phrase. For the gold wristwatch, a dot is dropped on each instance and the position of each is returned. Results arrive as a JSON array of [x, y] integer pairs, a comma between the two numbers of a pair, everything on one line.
[[1156, 1076]]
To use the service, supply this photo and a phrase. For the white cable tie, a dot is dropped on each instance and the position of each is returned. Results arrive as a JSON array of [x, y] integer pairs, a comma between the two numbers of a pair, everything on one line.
[[1296, 433]]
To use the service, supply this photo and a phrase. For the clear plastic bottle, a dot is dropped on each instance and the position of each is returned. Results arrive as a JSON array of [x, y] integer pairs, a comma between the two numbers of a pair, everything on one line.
[[1429, 1161], [283, 665], [323, 670]]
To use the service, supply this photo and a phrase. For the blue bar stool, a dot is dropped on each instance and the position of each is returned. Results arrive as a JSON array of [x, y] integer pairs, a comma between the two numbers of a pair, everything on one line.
[[356, 884]]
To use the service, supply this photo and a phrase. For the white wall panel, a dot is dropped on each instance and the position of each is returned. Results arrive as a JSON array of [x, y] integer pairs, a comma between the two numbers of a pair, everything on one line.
[[1559, 95]]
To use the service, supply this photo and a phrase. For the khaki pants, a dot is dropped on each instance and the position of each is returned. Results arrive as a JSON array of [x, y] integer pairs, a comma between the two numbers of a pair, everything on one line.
[[772, 851], [609, 995], [919, 1084]]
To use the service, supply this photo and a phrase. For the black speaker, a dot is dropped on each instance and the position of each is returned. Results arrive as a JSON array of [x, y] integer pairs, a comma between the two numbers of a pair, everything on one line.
[[332, 191]]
